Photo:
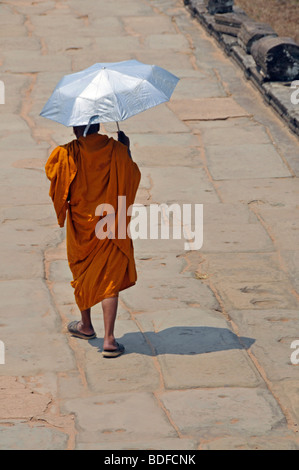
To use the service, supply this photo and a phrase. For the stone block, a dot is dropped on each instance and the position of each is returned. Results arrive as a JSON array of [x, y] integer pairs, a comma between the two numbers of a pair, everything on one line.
[[225, 412], [114, 417], [251, 32]]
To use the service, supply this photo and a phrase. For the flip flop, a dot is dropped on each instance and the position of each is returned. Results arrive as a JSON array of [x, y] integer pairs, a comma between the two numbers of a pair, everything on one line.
[[73, 329], [114, 352]]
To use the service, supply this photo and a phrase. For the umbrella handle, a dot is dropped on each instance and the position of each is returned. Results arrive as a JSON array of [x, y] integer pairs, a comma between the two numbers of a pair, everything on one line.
[[93, 118], [118, 129]]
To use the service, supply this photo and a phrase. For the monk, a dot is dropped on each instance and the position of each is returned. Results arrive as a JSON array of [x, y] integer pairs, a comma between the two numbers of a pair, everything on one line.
[[91, 171]]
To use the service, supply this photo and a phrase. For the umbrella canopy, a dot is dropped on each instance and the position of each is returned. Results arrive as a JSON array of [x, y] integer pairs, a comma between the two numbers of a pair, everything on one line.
[[108, 92]]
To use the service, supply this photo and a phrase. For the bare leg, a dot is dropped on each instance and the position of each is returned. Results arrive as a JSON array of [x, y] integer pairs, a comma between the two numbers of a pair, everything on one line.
[[85, 326], [109, 312]]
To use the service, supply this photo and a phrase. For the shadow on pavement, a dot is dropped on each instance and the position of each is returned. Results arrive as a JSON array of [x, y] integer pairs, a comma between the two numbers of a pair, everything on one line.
[[182, 340]]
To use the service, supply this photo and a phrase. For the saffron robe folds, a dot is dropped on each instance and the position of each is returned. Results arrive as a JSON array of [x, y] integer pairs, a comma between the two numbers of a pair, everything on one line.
[[84, 174]]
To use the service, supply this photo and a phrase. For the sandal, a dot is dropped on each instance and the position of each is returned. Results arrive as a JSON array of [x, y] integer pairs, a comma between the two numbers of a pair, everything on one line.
[[73, 329], [120, 349]]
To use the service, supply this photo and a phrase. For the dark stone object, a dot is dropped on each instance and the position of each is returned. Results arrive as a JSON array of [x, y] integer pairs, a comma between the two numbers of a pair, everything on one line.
[[220, 6], [278, 58]]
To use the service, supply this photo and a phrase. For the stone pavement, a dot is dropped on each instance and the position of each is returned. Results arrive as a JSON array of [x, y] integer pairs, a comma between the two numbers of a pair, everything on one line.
[[208, 333]]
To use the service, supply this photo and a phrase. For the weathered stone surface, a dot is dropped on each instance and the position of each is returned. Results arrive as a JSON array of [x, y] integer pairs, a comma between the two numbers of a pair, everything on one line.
[[287, 391], [19, 402], [263, 295], [232, 134], [147, 25], [121, 416], [22, 436], [224, 412], [22, 61], [175, 293], [159, 444], [238, 161], [266, 190], [195, 348], [165, 190], [277, 57], [274, 330], [206, 109], [251, 32], [235, 443], [233, 238]]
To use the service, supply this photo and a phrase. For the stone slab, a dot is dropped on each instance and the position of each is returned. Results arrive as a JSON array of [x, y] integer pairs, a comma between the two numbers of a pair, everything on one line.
[[15, 86], [277, 191], [60, 271], [31, 330], [23, 61], [196, 348], [238, 267], [19, 402], [109, 418], [26, 263], [66, 44], [155, 444], [274, 330], [159, 265], [284, 224], [245, 161], [37, 213], [224, 412], [166, 59], [147, 25], [235, 238], [117, 44], [288, 390], [189, 87], [172, 293], [252, 295], [170, 186], [167, 42], [135, 371], [206, 109], [19, 435], [29, 235], [251, 443], [144, 139], [230, 135], [291, 259], [107, 26], [156, 120], [170, 156], [114, 8]]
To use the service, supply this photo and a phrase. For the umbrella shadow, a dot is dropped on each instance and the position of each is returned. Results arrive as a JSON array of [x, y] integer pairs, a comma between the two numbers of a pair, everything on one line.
[[181, 340]]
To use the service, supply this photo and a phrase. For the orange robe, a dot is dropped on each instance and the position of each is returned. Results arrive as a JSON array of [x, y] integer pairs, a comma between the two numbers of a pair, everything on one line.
[[85, 173]]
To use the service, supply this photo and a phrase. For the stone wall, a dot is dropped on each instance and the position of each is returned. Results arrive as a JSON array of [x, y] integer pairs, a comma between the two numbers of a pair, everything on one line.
[[269, 61]]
